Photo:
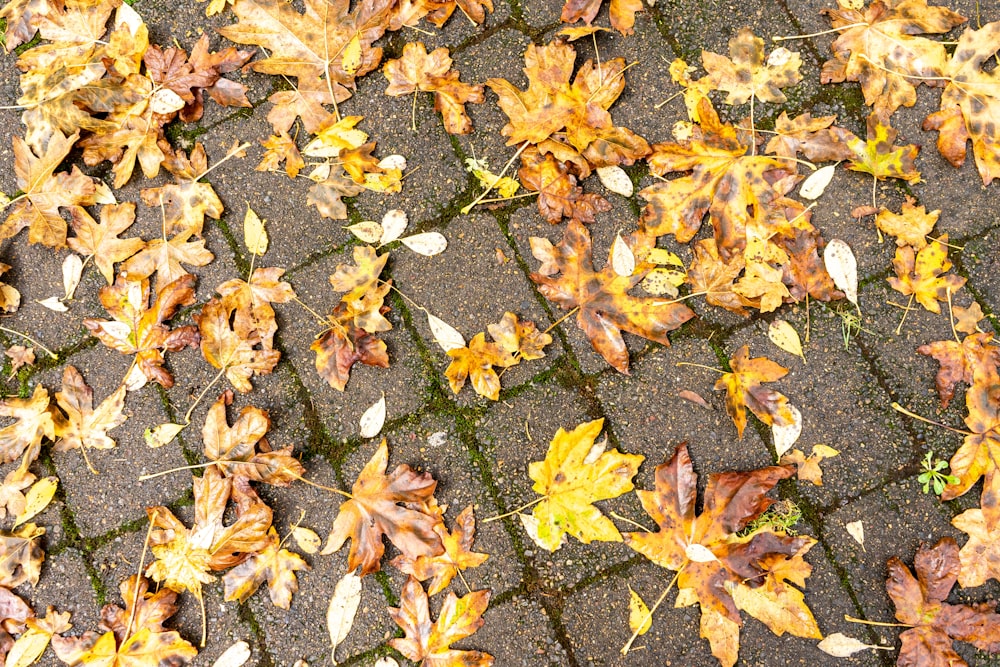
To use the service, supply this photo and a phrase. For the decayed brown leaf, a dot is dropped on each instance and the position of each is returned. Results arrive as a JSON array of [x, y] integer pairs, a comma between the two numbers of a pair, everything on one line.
[[519, 337], [458, 555], [84, 426], [718, 569], [234, 448], [606, 307], [967, 319], [131, 636], [431, 72], [253, 301], [273, 564], [139, 328], [232, 344], [935, 624], [975, 356], [881, 48], [558, 194], [815, 138], [100, 239], [429, 642], [21, 555], [748, 74], [924, 274], [374, 511], [36, 419], [20, 356], [186, 201], [622, 13], [743, 390]]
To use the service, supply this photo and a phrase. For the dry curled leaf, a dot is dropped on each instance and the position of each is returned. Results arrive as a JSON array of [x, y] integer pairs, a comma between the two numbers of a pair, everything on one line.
[[458, 555], [273, 564], [431, 72]]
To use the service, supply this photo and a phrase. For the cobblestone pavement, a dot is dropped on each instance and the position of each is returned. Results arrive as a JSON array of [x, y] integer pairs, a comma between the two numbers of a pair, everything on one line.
[[570, 607]]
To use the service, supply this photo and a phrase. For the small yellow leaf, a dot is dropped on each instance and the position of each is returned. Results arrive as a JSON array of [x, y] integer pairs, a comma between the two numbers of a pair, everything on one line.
[[824, 451], [663, 282], [254, 234], [664, 257], [351, 60], [368, 231], [28, 648], [786, 337], [639, 618], [38, 498], [158, 436], [307, 539]]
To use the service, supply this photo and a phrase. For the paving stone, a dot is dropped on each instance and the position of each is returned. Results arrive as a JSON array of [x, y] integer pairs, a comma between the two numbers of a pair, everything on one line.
[[518, 633], [980, 264], [65, 585]]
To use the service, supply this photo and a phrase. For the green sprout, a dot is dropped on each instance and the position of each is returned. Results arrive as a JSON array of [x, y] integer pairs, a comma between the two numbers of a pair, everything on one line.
[[932, 475]]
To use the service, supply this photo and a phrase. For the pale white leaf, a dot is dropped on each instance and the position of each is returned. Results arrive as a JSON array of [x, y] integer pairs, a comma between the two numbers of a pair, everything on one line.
[[699, 553], [393, 225], [427, 244], [843, 268], [622, 259], [254, 234], [373, 419], [532, 526], [385, 661], [72, 269], [856, 529], [165, 101], [160, 435], [639, 618], [393, 162], [595, 451], [368, 231], [234, 656], [307, 539], [127, 16], [102, 194], [786, 337], [342, 610], [842, 646], [320, 173], [785, 435], [437, 439], [54, 303], [135, 378], [815, 185], [446, 335], [615, 179]]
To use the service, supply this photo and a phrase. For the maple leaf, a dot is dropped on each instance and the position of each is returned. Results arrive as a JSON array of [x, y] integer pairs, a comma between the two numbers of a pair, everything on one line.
[[807, 467], [84, 426], [574, 474], [712, 275], [458, 555], [36, 638], [970, 103], [17, 613], [880, 47], [12, 499], [879, 157], [551, 103], [131, 636], [743, 390], [189, 78], [429, 642], [935, 624], [344, 344], [326, 195], [281, 148], [10, 298], [558, 194], [186, 557], [20, 356], [622, 13], [19, 26], [476, 361], [273, 564], [231, 343], [234, 448], [45, 192], [910, 226], [922, 274], [519, 337], [21, 555], [967, 319], [718, 568], [747, 74], [606, 307], [763, 282], [813, 137], [100, 240], [165, 258], [36, 419], [962, 362], [186, 202], [139, 329], [419, 71], [980, 556], [254, 299], [373, 511]]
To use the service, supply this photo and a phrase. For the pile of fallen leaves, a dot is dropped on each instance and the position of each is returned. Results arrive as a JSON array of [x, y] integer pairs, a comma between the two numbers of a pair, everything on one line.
[[95, 90]]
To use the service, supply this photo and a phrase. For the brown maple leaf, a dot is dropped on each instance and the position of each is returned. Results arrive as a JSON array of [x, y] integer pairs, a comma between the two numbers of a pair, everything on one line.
[[186, 201], [935, 624], [519, 337], [374, 511], [36, 419], [558, 194], [84, 426], [232, 344], [815, 138], [342, 345], [10, 298], [327, 195], [429, 642], [138, 328], [743, 390], [45, 192], [717, 568], [980, 556], [458, 555], [134, 635], [924, 275], [281, 148], [431, 72], [100, 239], [746, 73], [234, 448], [975, 356], [605, 306], [254, 298], [807, 467], [476, 361], [273, 564], [712, 275], [20, 356], [21, 555], [622, 13], [880, 47], [12, 500], [967, 319], [970, 103]]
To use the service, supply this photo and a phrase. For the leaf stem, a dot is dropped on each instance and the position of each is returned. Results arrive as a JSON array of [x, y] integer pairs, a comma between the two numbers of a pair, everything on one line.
[[912, 415], [142, 559], [30, 340], [628, 520], [851, 619], [466, 209], [817, 34], [649, 614], [691, 363], [187, 415], [515, 511]]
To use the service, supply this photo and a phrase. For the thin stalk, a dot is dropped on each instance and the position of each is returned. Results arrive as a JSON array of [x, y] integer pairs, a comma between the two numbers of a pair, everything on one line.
[[514, 511], [496, 180], [229, 155], [817, 34], [187, 416], [618, 516], [899, 408], [691, 363], [142, 559], [30, 340], [851, 619], [906, 311], [649, 614]]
